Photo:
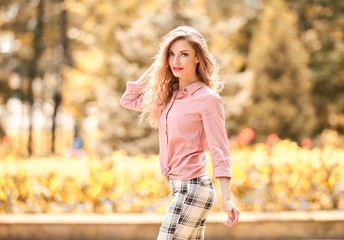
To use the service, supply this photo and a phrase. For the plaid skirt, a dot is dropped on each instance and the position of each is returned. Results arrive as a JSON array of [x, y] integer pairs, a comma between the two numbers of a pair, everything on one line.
[[191, 203]]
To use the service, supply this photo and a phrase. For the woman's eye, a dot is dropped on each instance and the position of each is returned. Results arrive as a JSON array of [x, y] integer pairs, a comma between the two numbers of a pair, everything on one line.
[[185, 54], [170, 54]]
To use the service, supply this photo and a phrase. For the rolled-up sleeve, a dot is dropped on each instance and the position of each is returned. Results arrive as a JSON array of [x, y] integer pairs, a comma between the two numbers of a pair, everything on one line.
[[213, 118], [133, 96]]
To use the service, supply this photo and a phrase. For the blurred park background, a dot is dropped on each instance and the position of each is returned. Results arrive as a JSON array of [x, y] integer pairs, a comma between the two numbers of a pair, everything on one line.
[[68, 146]]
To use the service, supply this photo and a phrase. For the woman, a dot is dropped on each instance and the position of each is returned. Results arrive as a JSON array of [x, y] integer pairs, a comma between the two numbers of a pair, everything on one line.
[[178, 94]]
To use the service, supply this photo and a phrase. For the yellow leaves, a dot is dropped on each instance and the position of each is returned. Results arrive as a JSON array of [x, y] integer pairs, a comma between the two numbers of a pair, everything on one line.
[[278, 188], [288, 177], [305, 185], [238, 174], [149, 6], [334, 178], [25, 189], [320, 176], [143, 184], [106, 177], [293, 179], [76, 79], [265, 171], [90, 61], [76, 7], [3, 196], [94, 190], [52, 185], [119, 154]]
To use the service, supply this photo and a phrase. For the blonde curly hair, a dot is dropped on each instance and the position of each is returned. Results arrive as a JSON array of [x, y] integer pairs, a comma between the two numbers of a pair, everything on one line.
[[160, 88]]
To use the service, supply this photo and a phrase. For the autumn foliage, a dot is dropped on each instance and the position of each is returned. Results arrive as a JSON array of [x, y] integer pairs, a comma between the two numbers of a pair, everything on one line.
[[274, 176]]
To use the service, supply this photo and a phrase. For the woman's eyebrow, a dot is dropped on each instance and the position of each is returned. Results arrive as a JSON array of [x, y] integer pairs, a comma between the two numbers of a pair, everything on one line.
[[180, 51]]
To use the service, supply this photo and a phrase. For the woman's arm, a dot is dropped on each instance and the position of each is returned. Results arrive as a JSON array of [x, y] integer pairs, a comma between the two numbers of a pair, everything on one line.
[[214, 126], [144, 79], [134, 95], [230, 208]]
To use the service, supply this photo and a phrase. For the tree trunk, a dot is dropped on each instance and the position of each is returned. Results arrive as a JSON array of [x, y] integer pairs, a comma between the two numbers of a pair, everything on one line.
[[38, 47]]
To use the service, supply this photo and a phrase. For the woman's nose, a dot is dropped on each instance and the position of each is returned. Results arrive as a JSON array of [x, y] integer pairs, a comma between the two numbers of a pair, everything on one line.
[[176, 60]]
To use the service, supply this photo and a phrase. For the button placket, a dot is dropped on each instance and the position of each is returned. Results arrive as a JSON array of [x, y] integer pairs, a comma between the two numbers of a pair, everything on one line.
[[167, 119]]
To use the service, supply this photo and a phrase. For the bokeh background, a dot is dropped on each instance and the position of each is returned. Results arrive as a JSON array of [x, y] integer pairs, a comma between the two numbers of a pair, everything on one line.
[[67, 145]]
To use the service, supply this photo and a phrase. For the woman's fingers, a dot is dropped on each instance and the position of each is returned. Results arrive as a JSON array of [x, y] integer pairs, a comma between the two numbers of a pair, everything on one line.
[[235, 214], [230, 217], [230, 214], [233, 217]]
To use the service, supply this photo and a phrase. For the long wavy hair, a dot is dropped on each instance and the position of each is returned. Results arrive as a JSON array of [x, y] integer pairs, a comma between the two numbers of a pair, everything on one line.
[[160, 88]]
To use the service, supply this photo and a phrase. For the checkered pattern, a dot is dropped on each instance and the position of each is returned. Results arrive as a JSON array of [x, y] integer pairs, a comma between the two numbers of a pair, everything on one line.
[[191, 203]]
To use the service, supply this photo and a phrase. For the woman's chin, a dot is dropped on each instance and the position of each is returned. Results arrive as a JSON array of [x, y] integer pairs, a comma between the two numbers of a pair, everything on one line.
[[176, 75]]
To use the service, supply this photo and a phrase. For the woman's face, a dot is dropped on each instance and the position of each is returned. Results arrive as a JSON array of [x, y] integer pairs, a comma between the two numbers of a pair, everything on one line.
[[182, 59]]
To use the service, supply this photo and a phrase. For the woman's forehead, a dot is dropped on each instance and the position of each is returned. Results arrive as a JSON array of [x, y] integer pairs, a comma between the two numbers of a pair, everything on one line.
[[181, 45]]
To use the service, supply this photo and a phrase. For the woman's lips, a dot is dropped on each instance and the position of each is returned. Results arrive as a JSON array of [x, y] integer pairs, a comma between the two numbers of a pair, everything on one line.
[[177, 69]]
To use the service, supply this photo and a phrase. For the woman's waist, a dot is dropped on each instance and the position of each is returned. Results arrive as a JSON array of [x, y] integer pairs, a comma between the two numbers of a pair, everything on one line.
[[190, 185], [185, 172], [190, 179], [184, 159]]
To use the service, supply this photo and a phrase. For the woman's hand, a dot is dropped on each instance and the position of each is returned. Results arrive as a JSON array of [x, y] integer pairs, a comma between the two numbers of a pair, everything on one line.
[[232, 213], [145, 78], [230, 208]]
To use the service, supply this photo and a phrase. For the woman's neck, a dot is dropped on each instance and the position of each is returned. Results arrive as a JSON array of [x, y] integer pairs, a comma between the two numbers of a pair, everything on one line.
[[185, 83]]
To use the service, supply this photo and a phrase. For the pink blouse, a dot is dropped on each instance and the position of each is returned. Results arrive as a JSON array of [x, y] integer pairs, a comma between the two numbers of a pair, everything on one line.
[[188, 125]]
